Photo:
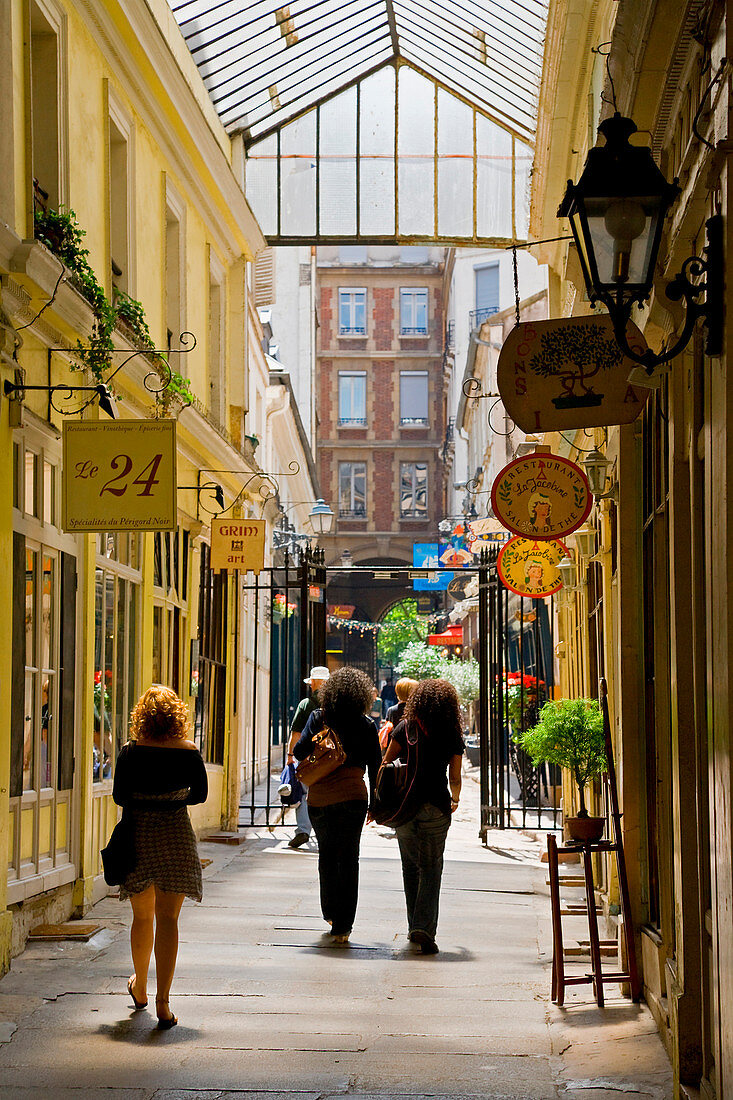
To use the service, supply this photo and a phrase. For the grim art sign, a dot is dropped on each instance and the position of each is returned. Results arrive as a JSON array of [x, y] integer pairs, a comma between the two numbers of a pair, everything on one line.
[[238, 544], [119, 475], [569, 373], [541, 496], [530, 568]]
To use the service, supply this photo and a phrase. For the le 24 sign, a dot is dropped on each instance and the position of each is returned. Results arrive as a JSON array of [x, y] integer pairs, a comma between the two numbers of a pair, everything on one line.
[[119, 476]]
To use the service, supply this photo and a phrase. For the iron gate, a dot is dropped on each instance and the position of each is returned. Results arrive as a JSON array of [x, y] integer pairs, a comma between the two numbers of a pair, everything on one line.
[[515, 653]]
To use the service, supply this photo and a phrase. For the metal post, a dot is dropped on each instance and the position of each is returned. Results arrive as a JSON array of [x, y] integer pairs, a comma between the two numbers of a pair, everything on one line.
[[483, 696], [304, 572], [501, 637], [255, 657]]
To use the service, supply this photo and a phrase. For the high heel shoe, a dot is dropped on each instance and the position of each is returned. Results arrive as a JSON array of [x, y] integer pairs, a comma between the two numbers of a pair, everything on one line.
[[138, 1004], [165, 1023]]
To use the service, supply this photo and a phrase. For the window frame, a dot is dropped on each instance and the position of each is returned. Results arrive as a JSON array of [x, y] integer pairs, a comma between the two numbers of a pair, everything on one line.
[[352, 421], [410, 293], [352, 329], [352, 512], [415, 421]]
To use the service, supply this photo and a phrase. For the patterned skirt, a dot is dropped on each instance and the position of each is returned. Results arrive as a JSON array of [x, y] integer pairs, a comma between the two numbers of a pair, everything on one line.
[[165, 848]]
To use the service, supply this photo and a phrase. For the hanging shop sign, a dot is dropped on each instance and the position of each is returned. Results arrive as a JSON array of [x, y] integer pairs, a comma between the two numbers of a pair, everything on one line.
[[569, 373], [426, 556], [529, 567], [119, 475], [541, 496], [238, 544]]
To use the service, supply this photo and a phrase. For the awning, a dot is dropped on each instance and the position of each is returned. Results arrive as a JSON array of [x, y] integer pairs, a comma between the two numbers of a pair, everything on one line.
[[377, 120], [452, 635]]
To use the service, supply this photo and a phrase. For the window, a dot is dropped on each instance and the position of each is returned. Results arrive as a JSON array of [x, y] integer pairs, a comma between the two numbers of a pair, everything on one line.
[[116, 648], [175, 312], [217, 376], [352, 397], [352, 312], [487, 291], [170, 575], [352, 489], [211, 694], [414, 397], [413, 490], [45, 73], [413, 311], [353, 254], [119, 207]]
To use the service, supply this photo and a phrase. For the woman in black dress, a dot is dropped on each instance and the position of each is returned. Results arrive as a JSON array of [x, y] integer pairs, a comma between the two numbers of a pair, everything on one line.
[[430, 741], [338, 803], [158, 774]]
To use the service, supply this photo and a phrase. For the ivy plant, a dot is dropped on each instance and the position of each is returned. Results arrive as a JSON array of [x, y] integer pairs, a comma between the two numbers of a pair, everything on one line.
[[569, 733]]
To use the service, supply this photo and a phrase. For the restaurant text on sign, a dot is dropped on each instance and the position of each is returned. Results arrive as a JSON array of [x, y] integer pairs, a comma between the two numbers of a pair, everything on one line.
[[541, 496], [119, 476]]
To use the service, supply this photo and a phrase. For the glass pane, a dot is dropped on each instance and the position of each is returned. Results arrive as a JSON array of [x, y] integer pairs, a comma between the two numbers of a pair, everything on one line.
[[132, 653], [157, 645], [31, 483], [338, 165], [31, 572], [455, 167], [49, 493], [47, 612], [28, 738], [120, 715], [298, 176], [184, 566], [494, 180], [108, 681], [158, 559], [416, 141], [376, 147], [47, 696], [100, 711], [262, 183], [359, 489], [522, 176], [175, 579]]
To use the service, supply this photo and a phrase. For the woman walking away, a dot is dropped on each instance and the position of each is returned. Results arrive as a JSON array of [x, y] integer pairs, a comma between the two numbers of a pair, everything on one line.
[[338, 803], [158, 774], [429, 739]]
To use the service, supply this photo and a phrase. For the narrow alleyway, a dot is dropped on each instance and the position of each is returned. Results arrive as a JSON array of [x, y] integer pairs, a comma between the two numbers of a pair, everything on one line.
[[268, 1009]]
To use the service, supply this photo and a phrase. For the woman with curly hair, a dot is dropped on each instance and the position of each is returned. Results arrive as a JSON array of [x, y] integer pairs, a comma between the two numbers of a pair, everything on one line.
[[429, 738], [159, 773], [338, 803]]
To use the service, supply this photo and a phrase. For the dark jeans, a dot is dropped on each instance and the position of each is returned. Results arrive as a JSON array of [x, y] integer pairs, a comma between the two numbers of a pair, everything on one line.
[[338, 831], [422, 842]]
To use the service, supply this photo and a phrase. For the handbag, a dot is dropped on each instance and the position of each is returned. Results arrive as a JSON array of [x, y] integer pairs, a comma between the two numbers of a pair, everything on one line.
[[118, 858], [326, 755], [396, 795]]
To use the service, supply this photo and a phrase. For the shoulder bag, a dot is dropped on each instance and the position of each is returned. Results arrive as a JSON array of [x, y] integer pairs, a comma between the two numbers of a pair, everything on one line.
[[396, 796], [118, 858], [326, 755]]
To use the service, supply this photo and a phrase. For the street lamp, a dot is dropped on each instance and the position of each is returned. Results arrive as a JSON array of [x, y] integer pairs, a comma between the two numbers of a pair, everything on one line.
[[617, 211], [568, 574], [596, 466], [321, 517]]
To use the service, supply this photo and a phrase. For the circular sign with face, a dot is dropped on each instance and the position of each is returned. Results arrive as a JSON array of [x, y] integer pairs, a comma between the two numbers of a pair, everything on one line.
[[529, 567], [541, 496]]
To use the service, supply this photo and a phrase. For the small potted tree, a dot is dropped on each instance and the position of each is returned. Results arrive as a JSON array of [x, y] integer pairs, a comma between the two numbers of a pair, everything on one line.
[[569, 733]]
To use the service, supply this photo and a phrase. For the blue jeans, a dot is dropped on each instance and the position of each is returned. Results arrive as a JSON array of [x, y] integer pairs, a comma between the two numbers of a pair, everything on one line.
[[338, 831], [302, 819], [422, 842]]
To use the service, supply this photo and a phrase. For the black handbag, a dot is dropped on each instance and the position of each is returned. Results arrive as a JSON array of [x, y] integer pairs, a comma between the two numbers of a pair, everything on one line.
[[396, 796], [118, 858]]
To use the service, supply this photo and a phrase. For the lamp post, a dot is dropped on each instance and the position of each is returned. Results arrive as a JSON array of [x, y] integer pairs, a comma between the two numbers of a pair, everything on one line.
[[321, 517], [617, 211]]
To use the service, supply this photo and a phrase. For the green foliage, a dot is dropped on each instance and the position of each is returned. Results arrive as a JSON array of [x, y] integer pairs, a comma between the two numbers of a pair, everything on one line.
[[569, 733], [179, 386], [132, 314], [400, 626], [425, 662]]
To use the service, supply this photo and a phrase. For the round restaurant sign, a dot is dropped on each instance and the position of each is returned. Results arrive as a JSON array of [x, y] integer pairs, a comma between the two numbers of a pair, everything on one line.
[[541, 496], [529, 567]]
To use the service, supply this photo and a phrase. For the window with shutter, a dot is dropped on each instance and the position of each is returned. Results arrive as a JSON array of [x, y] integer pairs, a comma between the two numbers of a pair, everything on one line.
[[264, 288]]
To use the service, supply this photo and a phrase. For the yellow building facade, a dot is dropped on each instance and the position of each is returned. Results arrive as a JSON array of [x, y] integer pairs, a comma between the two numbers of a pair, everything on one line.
[[108, 128], [650, 609]]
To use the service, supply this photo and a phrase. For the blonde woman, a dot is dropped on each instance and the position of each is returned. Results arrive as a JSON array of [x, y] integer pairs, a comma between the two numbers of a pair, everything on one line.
[[158, 774]]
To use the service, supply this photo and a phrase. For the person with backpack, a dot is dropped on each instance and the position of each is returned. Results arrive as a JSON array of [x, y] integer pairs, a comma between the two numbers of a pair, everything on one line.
[[318, 676], [430, 741], [338, 802]]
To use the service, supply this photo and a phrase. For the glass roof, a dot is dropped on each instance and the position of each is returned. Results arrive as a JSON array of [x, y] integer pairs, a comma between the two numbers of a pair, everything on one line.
[[266, 65]]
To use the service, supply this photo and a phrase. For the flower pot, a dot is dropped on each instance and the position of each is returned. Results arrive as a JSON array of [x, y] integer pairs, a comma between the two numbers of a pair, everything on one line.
[[586, 828]]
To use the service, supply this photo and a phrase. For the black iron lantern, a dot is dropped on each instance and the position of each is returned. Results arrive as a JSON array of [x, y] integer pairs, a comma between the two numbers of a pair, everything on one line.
[[617, 211]]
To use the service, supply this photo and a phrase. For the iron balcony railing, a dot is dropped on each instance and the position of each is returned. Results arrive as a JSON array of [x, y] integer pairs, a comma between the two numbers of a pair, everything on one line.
[[450, 336], [352, 422], [414, 421], [352, 513], [477, 316], [356, 330], [415, 330]]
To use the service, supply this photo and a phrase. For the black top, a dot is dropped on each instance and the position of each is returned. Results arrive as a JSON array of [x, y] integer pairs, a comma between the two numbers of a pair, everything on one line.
[[394, 714], [359, 740], [159, 769], [431, 756]]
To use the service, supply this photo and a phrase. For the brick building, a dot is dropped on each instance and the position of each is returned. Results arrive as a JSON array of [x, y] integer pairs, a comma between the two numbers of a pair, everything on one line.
[[381, 414]]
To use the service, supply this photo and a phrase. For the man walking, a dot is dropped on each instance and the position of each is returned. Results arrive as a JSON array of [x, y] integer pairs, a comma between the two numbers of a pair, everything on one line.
[[319, 675]]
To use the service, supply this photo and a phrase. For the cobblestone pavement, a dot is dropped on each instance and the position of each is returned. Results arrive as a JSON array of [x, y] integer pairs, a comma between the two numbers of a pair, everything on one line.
[[269, 1009]]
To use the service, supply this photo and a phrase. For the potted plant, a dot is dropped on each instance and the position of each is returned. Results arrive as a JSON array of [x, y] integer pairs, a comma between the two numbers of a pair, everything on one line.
[[569, 733]]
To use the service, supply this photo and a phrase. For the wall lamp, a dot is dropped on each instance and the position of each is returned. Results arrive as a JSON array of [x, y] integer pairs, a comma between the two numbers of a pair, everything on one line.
[[569, 575], [596, 466], [617, 211], [16, 391]]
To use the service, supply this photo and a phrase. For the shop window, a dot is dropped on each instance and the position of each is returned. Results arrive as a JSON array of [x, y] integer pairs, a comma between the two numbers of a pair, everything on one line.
[[413, 311], [210, 720], [170, 575], [414, 397], [352, 490], [352, 398], [116, 671], [352, 311], [413, 490]]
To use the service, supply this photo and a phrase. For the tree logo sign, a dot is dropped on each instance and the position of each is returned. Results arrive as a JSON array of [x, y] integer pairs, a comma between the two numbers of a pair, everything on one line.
[[568, 373]]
